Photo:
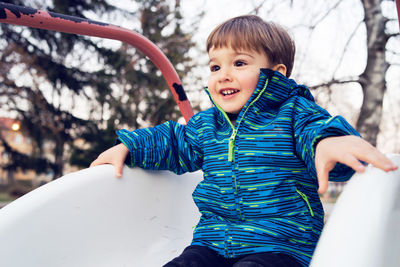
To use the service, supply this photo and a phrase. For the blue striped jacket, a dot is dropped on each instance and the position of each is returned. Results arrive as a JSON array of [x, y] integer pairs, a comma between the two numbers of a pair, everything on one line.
[[259, 191]]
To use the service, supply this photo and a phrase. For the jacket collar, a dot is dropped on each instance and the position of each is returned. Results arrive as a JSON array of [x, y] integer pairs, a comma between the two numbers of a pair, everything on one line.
[[273, 89]]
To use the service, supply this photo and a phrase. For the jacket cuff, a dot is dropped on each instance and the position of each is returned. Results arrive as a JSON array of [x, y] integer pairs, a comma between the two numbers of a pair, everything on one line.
[[125, 138], [341, 172]]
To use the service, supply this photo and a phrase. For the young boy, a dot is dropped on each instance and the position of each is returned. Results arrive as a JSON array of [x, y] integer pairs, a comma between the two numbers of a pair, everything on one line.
[[265, 150]]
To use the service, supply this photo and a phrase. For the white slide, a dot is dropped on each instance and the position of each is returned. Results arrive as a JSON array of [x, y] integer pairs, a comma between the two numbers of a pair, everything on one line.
[[364, 227], [92, 219]]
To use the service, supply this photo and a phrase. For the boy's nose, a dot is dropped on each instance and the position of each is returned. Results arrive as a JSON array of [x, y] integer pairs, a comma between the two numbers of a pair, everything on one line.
[[225, 76]]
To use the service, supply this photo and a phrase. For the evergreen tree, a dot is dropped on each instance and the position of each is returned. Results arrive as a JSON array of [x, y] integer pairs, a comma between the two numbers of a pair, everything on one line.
[[64, 87], [144, 98]]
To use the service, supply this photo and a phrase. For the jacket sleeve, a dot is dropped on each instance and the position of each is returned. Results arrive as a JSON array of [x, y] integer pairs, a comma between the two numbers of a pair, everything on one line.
[[312, 124], [168, 146]]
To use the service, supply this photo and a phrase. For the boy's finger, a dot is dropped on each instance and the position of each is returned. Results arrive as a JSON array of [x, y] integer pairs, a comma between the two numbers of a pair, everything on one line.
[[323, 177], [118, 170], [379, 160], [370, 154], [322, 183], [94, 163], [353, 163]]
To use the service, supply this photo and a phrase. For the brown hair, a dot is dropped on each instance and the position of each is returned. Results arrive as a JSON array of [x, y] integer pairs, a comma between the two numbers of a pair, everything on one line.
[[250, 32]]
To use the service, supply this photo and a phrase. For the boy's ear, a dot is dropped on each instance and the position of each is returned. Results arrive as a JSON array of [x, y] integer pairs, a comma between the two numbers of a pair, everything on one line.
[[280, 68]]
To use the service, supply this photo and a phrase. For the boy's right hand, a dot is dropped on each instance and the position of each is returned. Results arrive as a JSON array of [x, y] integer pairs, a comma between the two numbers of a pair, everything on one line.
[[114, 156]]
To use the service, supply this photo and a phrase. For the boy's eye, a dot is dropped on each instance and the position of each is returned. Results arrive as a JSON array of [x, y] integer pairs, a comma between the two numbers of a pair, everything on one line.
[[239, 63], [214, 68]]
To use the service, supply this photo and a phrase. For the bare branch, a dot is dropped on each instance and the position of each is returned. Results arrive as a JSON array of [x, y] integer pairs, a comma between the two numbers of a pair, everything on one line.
[[393, 35], [334, 82], [347, 46], [257, 8], [326, 14]]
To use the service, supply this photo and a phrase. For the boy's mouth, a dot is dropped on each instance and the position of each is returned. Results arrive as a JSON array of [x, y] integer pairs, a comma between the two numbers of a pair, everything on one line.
[[228, 91]]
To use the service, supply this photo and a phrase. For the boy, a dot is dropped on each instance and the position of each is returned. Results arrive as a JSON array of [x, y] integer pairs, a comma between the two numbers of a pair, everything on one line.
[[265, 149]]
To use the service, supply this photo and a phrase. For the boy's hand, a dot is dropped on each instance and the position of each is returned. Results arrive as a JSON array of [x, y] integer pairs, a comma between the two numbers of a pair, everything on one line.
[[348, 150], [115, 156]]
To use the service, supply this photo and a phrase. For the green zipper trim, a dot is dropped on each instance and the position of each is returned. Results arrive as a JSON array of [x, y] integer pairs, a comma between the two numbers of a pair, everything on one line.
[[233, 136], [232, 145], [306, 200], [231, 151]]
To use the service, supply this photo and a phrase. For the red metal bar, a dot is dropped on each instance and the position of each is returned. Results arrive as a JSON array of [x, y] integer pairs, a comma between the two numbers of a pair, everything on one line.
[[398, 10], [35, 18]]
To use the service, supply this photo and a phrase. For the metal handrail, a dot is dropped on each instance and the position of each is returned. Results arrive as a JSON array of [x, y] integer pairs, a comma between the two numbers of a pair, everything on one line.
[[26, 16]]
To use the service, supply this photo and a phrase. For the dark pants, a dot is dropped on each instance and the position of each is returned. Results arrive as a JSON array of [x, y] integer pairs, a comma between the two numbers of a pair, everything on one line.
[[199, 256]]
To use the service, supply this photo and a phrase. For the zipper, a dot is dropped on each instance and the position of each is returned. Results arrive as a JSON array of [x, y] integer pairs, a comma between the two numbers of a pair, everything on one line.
[[305, 198], [231, 151], [231, 145], [232, 138]]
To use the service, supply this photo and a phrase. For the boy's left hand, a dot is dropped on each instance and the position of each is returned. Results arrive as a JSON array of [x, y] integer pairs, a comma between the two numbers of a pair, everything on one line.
[[348, 150]]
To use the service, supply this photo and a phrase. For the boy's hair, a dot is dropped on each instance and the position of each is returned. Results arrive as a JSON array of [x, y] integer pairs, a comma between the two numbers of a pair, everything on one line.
[[250, 32]]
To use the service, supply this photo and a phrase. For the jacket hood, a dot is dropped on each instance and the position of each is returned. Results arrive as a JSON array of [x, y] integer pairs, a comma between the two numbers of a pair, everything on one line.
[[273, 89]]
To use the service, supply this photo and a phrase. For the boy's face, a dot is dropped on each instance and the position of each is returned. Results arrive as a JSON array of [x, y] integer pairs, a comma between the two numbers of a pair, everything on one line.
[[234, 76]]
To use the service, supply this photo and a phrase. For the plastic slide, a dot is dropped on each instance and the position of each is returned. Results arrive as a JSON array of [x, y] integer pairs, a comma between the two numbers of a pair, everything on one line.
[[364, 227], [90, 218]]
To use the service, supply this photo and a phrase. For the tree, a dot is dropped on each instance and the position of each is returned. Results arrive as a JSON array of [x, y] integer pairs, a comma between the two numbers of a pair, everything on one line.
[[373, 78], [36, 80], [144, 97], [64, 87]]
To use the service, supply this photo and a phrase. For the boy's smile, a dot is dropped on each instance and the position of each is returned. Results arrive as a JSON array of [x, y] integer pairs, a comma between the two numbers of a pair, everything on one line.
[[234, 76]]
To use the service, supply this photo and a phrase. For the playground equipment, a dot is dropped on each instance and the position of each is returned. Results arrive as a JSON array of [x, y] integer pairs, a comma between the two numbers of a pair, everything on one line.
[[35, 18], [90, 218], [364, 227]]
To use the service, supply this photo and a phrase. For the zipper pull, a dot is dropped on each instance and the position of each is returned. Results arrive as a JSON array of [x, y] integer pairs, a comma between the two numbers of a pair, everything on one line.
[[305, 198], [232, 146]]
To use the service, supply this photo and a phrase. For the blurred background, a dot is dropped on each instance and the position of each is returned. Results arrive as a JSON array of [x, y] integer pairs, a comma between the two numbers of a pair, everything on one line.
[[63, 96]]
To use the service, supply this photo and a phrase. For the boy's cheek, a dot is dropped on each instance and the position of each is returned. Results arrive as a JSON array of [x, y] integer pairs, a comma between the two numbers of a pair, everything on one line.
[[211, 82]]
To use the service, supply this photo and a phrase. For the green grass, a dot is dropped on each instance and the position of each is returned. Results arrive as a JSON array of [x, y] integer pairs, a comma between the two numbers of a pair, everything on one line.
[[5, 197]]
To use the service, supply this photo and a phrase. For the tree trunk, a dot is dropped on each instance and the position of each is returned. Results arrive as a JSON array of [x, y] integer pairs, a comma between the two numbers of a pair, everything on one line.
[[10, 177], [59, 159], [372, 80]]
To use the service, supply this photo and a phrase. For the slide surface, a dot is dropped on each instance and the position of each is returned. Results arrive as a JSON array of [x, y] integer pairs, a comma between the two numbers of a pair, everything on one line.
[[90, 218], [364, 227]]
